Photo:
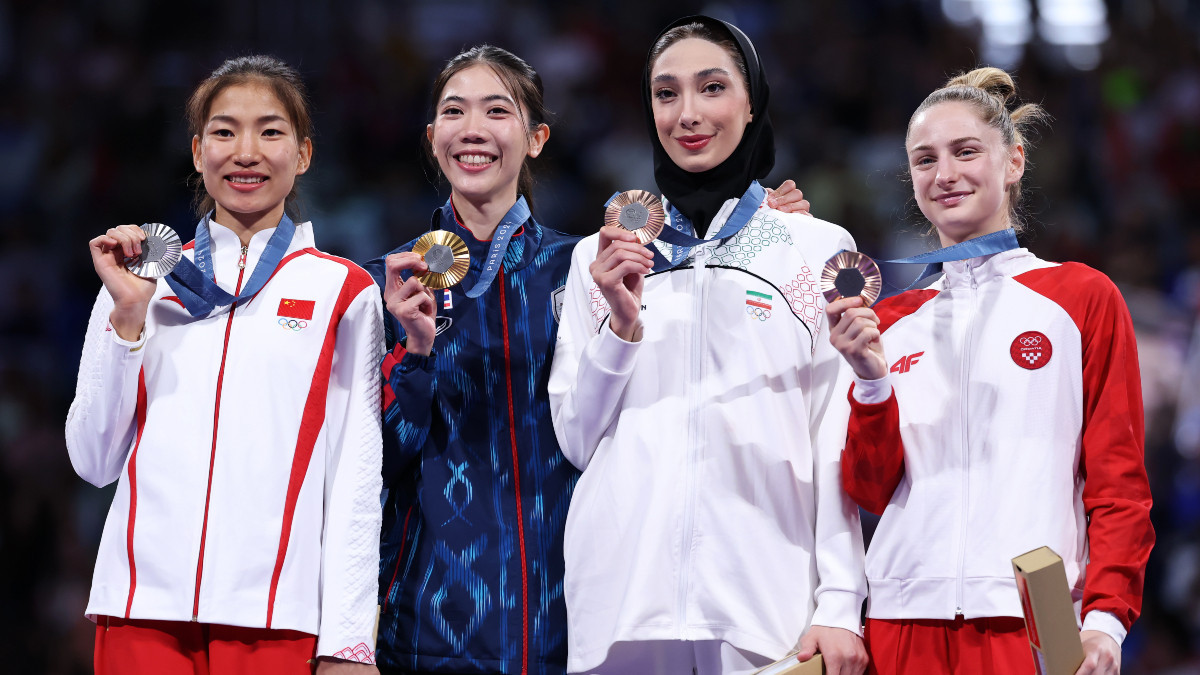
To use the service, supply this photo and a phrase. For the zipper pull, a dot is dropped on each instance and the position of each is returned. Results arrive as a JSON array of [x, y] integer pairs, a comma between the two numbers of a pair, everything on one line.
[[242, 260]]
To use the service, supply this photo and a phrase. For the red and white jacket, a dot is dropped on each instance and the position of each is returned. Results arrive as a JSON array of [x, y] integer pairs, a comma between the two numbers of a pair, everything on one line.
[[1017, 403], [247, 447]]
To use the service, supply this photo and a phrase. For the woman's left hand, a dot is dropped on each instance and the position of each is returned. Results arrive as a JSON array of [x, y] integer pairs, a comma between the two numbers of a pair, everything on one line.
[[842, 650], [1101, 654], [788, 198], [330, 666]]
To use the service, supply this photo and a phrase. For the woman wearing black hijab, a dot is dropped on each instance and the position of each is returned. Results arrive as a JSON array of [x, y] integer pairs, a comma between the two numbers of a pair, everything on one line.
[[694, 387]]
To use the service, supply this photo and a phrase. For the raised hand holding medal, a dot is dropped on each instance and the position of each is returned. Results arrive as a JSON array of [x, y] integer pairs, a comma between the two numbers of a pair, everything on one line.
[[851, 282]]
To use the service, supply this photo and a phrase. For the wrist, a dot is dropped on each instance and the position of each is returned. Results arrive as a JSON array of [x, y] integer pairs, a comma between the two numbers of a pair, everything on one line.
[[629, 331], [129, 322]]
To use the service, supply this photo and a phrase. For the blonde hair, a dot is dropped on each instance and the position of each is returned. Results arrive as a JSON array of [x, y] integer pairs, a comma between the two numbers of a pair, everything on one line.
[[990, 92]]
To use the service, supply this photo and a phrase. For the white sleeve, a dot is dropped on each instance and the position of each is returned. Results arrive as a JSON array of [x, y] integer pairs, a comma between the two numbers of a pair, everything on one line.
[[102, 420], [842, 584], [592, 366], [353, 481]]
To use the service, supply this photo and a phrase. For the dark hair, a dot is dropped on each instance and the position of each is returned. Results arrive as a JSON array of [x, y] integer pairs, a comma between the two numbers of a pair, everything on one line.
[[268, 71], [703, 32], [519, 78], [989, 91]]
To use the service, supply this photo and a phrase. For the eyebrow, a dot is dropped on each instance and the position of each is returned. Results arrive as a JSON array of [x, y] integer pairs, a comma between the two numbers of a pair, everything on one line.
[[707, 72], [265, 119], [454, 98], [957, 141]]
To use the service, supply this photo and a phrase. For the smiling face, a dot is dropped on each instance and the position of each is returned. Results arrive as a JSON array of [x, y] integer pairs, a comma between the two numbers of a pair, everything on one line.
[[700, 102], [249, 156], [480, 136], [961, 171]]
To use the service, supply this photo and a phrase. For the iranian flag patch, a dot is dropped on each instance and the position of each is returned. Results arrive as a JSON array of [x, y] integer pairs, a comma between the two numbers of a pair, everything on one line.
[[758, 305]]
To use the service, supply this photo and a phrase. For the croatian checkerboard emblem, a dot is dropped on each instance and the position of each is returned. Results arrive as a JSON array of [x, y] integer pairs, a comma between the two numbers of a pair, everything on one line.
[[1031, 350]]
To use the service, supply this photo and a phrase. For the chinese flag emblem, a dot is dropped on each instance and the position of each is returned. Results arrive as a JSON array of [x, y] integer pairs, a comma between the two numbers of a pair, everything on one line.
[[297, 309]]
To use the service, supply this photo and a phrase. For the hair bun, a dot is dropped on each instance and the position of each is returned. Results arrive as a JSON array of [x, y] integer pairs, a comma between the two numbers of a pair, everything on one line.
[[996, 82]]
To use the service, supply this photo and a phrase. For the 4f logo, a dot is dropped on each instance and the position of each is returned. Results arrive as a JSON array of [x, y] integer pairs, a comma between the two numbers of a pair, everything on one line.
[[906, 363]]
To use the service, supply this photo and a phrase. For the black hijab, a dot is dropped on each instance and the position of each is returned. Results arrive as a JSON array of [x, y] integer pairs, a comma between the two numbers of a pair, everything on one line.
[[699, 196]]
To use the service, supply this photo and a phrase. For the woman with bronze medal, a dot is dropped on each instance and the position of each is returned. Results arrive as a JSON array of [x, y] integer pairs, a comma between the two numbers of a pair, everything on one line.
[[1005, 416], [231, 390], [694, 387]]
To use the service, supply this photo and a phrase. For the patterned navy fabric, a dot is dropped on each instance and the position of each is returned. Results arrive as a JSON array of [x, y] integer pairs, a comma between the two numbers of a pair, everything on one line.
[[451, 588]]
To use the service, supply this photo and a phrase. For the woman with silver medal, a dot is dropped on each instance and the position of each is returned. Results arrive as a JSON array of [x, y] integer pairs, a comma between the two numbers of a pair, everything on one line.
[[994, 412], [693, 386], [231, 390]]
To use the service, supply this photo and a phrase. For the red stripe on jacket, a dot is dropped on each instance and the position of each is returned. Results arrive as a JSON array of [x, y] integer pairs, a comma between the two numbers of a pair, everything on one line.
[[314, 407], [1116, 490], [873, 461], [132, 469]]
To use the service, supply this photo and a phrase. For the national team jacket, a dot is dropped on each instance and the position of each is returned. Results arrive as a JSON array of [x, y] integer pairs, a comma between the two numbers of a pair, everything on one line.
[[247, 448], [477, 490], [710, 505], [1011, 419]]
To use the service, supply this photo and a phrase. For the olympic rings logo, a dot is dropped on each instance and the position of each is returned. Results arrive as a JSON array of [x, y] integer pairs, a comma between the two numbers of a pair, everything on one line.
[[758, 312], [1031, 341], [292, 324]]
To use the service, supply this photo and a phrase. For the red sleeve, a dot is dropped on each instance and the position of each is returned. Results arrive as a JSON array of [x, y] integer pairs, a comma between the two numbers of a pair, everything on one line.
[[1116, 491], [873, 461]]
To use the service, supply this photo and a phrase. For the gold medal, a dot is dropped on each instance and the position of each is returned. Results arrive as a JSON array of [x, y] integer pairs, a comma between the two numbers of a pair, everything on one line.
[[161, 251], [638, 211], [851, 273], [447, 257]]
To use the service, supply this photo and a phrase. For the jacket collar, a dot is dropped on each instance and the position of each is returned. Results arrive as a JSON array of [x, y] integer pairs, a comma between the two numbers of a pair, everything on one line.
[[972, 272]]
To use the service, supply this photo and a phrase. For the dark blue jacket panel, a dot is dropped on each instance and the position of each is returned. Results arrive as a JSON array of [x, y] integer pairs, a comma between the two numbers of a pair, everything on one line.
[[471, 576]]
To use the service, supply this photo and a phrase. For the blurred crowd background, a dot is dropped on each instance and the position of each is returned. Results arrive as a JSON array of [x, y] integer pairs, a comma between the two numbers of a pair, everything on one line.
[[92, 135]]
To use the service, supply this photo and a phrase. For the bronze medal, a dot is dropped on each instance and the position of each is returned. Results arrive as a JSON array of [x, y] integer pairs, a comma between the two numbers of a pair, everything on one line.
[[638, 211], [851, 273]]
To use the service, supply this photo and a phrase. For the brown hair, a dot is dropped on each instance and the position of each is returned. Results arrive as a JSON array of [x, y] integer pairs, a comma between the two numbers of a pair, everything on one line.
[[702, 32], [521, 80], [268, 71], [989, 91]]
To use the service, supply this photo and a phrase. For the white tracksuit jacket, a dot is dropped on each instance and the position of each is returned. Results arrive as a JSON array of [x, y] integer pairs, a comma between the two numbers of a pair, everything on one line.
[[710, 505], [1016, 423], [247, 448]]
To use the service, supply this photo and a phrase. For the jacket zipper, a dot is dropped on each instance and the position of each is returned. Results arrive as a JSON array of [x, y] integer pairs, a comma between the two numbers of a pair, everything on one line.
[[689, 514], [212, 458], [965, 379], [512, 432]]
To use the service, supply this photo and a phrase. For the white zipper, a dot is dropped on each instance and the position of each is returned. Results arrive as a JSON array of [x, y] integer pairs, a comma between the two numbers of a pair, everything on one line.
[[699, 289], [973, 297]]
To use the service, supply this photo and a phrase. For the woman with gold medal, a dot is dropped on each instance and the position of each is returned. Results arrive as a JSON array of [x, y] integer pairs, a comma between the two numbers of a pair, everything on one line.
[[477, 489]]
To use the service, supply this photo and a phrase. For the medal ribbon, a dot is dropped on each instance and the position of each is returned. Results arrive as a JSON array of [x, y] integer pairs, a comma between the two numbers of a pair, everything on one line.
[[994, 242], [678, 230], [509, 224], [194, 282]]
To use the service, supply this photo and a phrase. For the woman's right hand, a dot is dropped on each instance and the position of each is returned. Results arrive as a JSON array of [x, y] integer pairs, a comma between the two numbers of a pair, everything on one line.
[[854, 331], [411, 302], [619, 269], [131, 294]]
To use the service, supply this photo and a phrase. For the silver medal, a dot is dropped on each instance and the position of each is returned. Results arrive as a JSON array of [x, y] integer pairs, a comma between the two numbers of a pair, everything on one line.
[[161, 250]]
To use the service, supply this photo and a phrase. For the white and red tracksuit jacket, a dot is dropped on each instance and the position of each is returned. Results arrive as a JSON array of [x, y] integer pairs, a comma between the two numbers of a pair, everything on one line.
[[1016, 422], [247, 448]]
